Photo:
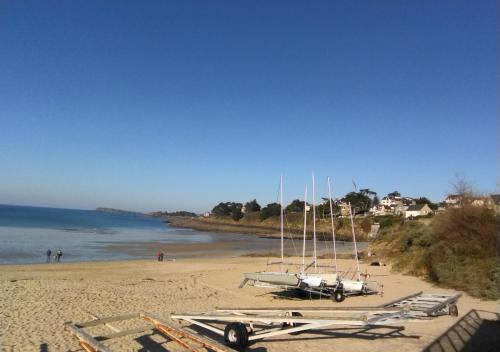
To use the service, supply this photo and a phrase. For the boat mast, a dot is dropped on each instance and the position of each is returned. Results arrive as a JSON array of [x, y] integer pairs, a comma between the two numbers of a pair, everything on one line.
[[281, 215], [314, 226], [305, 232], [354, 240], [333, 226]]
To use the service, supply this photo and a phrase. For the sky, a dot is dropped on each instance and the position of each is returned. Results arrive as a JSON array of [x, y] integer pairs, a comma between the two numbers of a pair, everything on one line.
[[170, 105]]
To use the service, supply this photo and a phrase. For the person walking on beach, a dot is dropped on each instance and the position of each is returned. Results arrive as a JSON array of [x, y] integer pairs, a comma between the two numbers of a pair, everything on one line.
[[49, 253], [158, 255], [161, 256], [59, 254]]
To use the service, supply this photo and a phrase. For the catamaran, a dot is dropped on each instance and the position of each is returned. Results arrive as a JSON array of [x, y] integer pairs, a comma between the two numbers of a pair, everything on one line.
[[334, 284], [283, 278]]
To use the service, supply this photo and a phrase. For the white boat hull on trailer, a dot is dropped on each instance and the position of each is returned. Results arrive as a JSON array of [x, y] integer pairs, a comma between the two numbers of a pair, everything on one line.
[[272, 278], [353, 286], [318, 280]]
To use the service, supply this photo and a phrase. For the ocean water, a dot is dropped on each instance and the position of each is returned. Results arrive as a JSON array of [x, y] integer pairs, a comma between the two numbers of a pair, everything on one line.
[[27, 232], [86, 235]]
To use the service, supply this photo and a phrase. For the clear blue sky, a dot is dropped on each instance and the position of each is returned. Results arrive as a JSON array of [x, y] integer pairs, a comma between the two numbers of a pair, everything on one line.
[[150, 105]]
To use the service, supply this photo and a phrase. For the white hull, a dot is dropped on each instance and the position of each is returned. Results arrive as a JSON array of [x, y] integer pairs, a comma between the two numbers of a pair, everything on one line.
[[352, 285], [317, 280], [273, 278]]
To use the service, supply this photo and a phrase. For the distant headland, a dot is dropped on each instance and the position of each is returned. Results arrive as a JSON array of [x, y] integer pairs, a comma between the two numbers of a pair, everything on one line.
[[118, 211]]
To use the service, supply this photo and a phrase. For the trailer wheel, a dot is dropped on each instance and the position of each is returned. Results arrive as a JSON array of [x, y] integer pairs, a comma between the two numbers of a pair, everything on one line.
[[236, 336], [453, 310], [338, 296]]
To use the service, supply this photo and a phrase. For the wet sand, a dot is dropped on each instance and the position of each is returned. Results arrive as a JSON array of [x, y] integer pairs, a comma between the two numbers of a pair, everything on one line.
[[231, 245], [36, 300]]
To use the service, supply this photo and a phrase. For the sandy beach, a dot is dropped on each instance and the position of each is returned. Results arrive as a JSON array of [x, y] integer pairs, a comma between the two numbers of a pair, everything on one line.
[[36, 301]]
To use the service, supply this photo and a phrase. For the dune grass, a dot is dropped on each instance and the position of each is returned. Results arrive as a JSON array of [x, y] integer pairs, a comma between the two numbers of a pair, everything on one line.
[[457, 249]]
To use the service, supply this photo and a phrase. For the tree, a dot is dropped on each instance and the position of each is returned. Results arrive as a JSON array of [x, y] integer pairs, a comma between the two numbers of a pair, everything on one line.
[[252, 206], [360, 203], [236, 213], [323, 209], [272, 209], [296, 206], [425, 200], [394, 194], [375, 201], [367, 192], [227, 208], [221, 209]]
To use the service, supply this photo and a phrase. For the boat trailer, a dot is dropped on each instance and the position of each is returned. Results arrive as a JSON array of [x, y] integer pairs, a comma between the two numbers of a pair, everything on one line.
[[240, 326], [190, 341], [244, 325]]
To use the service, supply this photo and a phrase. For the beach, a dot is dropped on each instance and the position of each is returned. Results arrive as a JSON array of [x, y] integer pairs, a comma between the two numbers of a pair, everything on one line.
[[37, 300]]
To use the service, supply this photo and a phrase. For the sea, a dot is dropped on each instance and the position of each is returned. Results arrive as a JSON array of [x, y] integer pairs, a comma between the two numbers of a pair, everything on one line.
[[26, 233], [83, 235]]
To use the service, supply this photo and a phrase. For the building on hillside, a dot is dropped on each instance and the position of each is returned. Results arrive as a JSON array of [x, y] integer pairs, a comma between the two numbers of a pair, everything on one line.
[[381, 210], [453, 200], [396, 204], [206, 214], [480, 201], [491, 201], [408, 201], [399, 209], [495, 200], [417, 210], [344, 209], [441, 207], [391, 201]]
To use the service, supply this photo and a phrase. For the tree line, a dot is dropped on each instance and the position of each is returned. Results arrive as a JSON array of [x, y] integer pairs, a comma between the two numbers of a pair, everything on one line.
[[361, 201]]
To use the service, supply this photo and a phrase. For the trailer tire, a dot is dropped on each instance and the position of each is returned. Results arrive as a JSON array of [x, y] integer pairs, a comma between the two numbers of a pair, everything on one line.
[[338, 296], [236, 336], [453, 310]]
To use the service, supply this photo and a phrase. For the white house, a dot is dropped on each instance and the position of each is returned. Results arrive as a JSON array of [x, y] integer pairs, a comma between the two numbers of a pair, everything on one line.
[[399, 209], [453, 200], [391, 201], [344, 209], [417, 210], [381, 210], [408, 201]]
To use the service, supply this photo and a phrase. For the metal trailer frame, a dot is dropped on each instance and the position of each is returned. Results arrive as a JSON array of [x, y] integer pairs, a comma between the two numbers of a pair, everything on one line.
[[246, 324], [422, 305], [191, 341], [243, 325]]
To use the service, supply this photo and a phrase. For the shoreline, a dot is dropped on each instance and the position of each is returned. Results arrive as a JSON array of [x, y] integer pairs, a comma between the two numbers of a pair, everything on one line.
[[218, 227], [242, 246], [263, 231]]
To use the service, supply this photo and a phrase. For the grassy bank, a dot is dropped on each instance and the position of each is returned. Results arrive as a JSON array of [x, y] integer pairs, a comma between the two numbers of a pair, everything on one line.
[[457, 249], [270, 227]]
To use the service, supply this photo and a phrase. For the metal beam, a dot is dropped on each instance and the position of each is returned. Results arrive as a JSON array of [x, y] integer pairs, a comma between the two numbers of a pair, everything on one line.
[[107, 320], [124, 333], [86, 341]]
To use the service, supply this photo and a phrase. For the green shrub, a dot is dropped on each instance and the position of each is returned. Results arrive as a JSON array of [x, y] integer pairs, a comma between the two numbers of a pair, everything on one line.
[[385, 221]]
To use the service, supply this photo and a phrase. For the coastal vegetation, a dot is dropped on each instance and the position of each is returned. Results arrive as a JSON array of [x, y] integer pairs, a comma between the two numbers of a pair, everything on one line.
[[117, 211], [181, 213], [270, 226], [457, 249], [251, 217]]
